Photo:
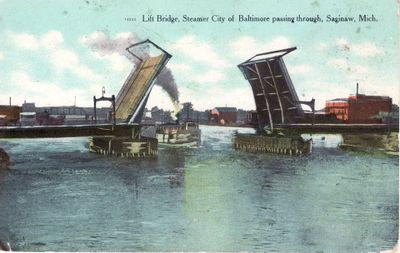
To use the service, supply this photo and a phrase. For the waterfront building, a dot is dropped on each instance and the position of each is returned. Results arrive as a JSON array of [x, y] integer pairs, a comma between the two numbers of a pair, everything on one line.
[[359, 108], [223, 115]]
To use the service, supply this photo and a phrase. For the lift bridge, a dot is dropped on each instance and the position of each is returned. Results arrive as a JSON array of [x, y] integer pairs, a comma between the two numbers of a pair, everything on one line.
[[128, 105], [278, 105]]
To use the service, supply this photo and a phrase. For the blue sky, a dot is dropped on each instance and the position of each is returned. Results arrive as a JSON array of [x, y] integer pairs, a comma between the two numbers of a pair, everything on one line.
[[46, 58]]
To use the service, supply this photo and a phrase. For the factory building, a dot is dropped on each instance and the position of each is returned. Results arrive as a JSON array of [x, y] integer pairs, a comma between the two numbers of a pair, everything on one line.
[[9, 114], [359, 108], [223, 115], [339, 107]]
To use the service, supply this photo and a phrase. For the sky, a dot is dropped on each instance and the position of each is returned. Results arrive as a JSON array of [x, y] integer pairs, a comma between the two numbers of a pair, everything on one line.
[[47, 54]]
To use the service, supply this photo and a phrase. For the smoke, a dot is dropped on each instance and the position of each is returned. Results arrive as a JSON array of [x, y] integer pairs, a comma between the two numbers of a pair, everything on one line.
[[101, 43], [166, 80]]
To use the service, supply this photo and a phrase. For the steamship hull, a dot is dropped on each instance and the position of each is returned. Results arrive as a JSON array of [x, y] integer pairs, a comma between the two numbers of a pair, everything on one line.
[[178, 135]]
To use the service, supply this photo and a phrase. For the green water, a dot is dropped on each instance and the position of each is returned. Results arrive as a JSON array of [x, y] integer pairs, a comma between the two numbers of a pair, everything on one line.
[[59, 197]]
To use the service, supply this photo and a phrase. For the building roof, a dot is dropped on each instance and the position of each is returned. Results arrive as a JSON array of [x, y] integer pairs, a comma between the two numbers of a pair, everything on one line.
[[369, 97], [226, 109], [339, 99], [27, 113]]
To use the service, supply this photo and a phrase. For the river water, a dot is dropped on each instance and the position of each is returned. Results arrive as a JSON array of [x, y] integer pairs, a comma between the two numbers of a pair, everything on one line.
[[59, 197]]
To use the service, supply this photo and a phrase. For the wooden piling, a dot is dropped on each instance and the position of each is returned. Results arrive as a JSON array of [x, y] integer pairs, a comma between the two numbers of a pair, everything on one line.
[[272, 144]]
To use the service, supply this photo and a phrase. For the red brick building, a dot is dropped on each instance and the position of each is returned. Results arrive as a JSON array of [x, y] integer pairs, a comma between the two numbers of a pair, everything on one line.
[[359, 108], [339, 107], [223, 115], [10, 113]]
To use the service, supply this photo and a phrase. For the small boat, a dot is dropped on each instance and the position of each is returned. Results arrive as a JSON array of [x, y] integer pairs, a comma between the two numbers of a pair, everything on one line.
[[187, 133]]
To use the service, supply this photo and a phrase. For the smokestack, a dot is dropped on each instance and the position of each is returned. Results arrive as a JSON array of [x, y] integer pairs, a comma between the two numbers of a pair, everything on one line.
[[10, 101], [357, 91]]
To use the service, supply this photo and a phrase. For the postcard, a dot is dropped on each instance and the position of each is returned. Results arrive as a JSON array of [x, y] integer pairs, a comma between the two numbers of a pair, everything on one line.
[[187, 126]]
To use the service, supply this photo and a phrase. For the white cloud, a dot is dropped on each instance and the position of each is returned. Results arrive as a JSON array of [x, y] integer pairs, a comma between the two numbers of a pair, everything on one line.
[[337, 63], [210, 76], [93, 37], [116, 61], [111, 50], [343, 64], [343, 44], [86, 73], [199, 51], [366, 49], [359, 69], [363, 49], [371, 82], [321, 90], [63, 59], [300, 69], [51, 45], [321, 46], [24, 40], [241, 98], [52, 39], [277, 43], [375, 86], [29, 85], [182, 67], [124, 36], [103, 44], [1, 56], [246, 46], [34, 90]]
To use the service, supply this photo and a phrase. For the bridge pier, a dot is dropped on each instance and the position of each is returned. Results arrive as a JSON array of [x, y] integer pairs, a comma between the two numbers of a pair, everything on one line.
[[272, 144], [124, 146], [388, 142], [126, 143]]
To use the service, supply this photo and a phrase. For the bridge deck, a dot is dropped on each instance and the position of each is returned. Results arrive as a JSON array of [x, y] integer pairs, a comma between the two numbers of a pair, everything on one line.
[[339, 128], [126, 130], [67, 131]]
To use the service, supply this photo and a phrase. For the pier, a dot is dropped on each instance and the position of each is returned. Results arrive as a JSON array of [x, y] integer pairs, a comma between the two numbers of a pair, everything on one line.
[[272, 144]]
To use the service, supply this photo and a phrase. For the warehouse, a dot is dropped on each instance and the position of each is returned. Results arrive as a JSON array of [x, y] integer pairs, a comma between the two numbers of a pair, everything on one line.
[[359, 108]]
